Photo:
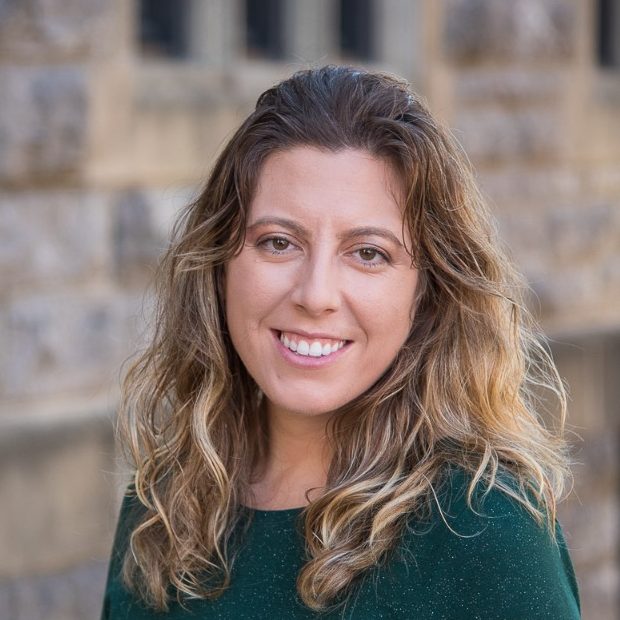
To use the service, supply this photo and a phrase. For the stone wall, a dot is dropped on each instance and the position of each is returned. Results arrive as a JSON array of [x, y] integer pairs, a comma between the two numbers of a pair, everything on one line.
[[527, 102], [540, 121], [75, 250], [98, 150]]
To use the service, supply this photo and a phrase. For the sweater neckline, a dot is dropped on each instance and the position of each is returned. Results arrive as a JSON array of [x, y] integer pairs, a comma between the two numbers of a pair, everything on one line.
[[279, 515]]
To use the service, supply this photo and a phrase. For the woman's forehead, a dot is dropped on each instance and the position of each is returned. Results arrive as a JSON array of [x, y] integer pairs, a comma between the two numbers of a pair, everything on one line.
[[347, 181]]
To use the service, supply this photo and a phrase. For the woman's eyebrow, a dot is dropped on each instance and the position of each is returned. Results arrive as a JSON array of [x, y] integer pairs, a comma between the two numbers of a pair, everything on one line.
[[367, 231], [280, 221], [298, 229]]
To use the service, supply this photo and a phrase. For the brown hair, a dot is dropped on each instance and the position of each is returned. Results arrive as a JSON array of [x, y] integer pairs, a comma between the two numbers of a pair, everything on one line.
[[460, 392]]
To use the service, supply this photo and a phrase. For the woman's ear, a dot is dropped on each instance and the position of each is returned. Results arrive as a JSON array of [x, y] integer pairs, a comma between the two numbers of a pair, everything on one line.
[[418, 295]]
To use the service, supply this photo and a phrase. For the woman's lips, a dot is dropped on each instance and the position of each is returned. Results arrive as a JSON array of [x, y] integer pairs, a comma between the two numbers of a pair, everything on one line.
[[311, 346], [309, 352]]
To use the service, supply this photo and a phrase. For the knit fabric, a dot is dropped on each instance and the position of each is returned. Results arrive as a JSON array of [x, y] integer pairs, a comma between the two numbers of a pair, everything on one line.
[[494, 563]]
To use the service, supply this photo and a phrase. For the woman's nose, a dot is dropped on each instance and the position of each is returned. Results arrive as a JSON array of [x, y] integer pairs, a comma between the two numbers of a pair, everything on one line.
[[317, 289]]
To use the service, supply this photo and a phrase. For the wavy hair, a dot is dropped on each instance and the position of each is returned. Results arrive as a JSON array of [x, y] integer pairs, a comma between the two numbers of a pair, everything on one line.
[[463, 390]]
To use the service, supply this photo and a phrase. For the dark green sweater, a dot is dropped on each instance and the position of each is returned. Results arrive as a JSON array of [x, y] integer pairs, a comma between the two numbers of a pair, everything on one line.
[[499, 565]]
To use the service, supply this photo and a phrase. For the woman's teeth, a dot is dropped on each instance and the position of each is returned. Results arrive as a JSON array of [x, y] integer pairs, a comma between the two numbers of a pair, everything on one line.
[[315, 348]]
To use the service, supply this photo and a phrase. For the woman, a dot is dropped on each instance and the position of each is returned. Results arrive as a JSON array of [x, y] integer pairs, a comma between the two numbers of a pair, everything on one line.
[[336, 414]]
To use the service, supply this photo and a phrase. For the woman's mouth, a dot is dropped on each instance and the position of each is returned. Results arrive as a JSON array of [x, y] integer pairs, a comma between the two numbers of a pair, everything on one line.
[[309, 346]]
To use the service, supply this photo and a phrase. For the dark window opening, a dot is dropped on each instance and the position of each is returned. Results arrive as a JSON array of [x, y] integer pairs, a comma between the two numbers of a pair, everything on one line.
[[356, 19], [164, 28], [264, 36], [608, 35]]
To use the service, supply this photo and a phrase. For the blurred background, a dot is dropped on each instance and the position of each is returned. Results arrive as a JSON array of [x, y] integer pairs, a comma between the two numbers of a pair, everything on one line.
[[111, 113]]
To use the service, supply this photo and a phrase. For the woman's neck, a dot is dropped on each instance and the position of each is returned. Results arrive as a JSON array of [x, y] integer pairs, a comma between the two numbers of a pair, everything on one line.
[[295, 469]]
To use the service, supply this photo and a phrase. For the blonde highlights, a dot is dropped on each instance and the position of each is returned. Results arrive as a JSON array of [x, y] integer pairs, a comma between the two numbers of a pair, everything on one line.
[[461, 392]]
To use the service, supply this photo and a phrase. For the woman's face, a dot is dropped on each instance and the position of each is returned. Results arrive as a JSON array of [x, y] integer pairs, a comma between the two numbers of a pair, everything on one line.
[[320, 299]]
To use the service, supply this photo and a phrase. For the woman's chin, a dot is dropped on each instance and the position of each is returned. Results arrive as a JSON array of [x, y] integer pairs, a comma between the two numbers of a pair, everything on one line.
[[299, 408]]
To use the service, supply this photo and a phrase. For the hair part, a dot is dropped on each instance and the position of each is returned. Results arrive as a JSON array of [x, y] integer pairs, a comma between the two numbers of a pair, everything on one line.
[[461, 392]]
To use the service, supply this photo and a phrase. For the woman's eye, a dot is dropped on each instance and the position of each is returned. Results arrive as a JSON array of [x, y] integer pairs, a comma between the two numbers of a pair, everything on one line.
[[368, 253], [371, 256], [280, 244], [275, 245]]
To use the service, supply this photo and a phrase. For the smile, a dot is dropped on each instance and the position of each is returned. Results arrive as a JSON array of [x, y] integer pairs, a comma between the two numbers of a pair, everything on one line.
[[310, 347]]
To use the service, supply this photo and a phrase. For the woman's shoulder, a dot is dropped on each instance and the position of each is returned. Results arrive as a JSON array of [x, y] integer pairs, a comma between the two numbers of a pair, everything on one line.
[[488, 520], [469, 511], [489, 555], [492, 518], [130, 513]]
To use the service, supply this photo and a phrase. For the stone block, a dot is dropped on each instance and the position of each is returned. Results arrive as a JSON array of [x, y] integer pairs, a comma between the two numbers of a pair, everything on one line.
[[43, 122], [562, 295], [136, 242], [592, 528], [598, 587], [57, 490], [524, 236], [564, 240], [584, 274], [610, 276], [63, 342], [508, 86], [569, 254], [528, 188], [583, 234], [604, 179], [166, 204], [159, 86], [142, 226], [518, 30], [53, 236], [310, 33], [59, 29], [495, 134], [589, 364], [73, 594], [570, 299]]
